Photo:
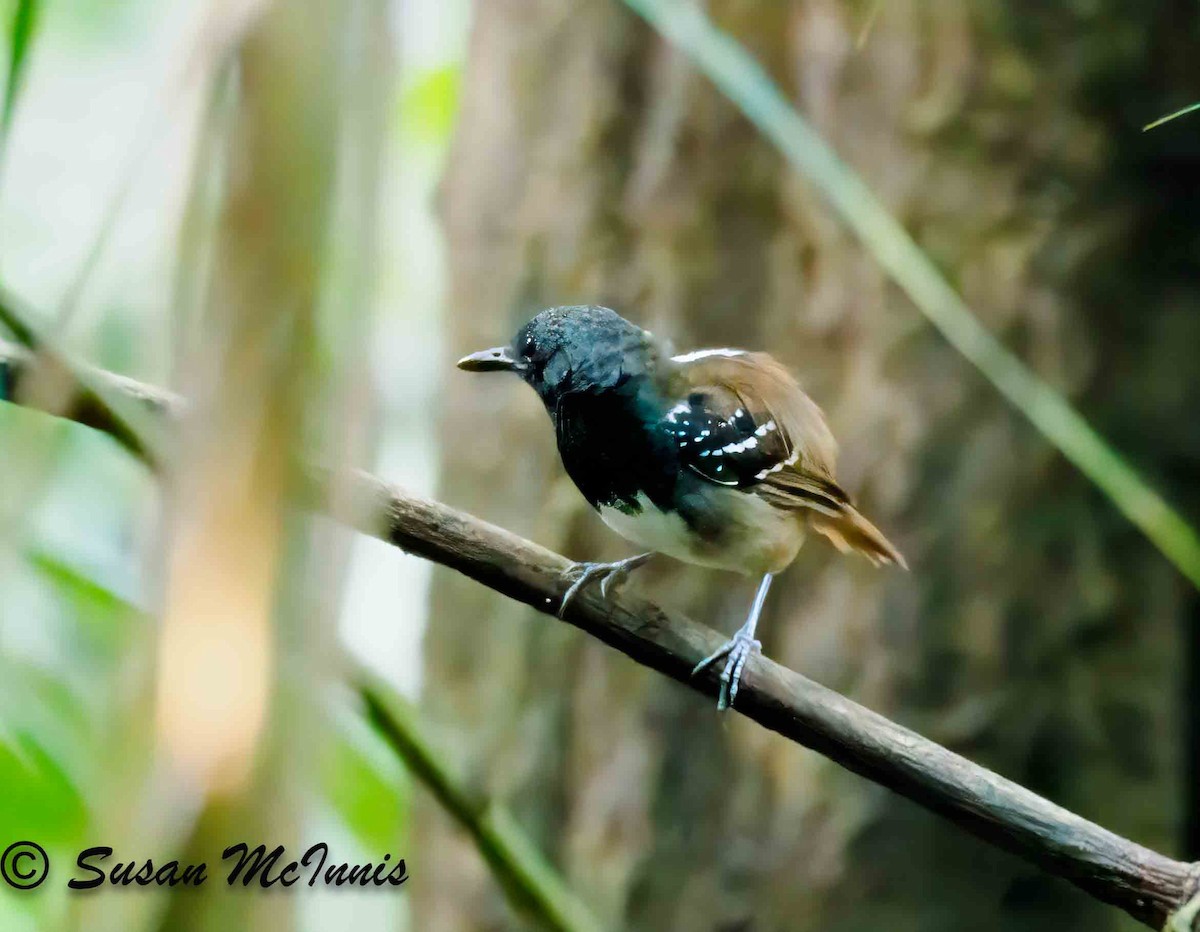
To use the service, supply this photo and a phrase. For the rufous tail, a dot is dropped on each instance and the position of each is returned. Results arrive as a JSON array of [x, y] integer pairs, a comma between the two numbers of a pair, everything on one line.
[[850, 531]]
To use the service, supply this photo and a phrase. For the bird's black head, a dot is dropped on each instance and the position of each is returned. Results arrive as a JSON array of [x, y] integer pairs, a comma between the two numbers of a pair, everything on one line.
[[582, 348]]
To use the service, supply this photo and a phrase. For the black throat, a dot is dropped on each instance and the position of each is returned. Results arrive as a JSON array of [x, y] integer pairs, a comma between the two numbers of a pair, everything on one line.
[[611, 446]]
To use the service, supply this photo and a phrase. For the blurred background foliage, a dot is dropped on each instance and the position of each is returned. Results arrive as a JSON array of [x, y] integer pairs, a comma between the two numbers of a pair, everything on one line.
[[490, 159]]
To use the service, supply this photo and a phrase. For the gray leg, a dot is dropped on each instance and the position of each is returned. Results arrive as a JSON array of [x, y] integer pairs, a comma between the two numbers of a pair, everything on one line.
[[609, 574], [737, 649]]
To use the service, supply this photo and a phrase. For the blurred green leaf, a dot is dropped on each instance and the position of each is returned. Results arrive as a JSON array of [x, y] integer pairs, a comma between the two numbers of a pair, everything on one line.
[[364, 784], [40, 799], [64, 699], [105, 620], [39, 804], [1171, 116], [46, 748], [428, 109], [20, 39], [46, 744]]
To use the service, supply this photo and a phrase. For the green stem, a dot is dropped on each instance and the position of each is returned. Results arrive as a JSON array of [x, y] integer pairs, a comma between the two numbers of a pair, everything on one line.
[[1171, 116], [527, 878]]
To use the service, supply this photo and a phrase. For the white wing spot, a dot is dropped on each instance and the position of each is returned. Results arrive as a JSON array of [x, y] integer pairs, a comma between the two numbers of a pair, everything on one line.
[[705, 354], [748, 444], [762, 474], [680, 408]]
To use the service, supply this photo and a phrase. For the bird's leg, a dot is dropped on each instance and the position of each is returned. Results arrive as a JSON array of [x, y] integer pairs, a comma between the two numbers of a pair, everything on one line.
[[737, 649], [609, 574]]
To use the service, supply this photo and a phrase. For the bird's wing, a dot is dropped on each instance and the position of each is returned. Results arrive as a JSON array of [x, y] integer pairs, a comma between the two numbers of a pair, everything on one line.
[[743, 421], [750, 417]]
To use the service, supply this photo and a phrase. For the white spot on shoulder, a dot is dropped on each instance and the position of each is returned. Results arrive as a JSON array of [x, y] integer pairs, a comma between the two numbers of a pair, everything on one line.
[[705, 354]]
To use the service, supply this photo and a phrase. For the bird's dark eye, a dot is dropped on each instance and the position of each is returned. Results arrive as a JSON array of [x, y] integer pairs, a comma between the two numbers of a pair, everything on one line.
[[528, 347]]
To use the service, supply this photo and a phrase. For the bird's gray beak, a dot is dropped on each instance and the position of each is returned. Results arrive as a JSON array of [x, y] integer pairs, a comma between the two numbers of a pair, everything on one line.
[[496, 359]]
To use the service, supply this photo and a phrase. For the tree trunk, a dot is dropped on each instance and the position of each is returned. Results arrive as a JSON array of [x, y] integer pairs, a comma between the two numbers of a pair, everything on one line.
[[1036, 631]]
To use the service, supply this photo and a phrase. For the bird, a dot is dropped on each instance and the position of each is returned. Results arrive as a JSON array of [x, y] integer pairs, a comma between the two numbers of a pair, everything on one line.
[[715, 457]]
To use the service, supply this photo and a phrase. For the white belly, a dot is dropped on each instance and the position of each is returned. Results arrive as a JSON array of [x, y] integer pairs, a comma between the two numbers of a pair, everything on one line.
[[759, 538], [656, 530]]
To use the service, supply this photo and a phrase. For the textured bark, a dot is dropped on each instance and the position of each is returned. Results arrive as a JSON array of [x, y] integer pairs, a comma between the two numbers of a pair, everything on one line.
[[1036, 632]]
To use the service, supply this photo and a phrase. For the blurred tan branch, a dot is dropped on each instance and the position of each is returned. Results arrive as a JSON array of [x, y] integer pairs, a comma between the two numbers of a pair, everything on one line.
[[1149, 886]]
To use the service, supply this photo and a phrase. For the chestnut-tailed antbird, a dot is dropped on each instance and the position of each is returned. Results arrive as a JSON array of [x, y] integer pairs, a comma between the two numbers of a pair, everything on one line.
[[715, 457]]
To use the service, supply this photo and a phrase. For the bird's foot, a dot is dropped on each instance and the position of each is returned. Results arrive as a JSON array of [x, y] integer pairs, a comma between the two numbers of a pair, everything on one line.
[[611, 575], [737, 649]]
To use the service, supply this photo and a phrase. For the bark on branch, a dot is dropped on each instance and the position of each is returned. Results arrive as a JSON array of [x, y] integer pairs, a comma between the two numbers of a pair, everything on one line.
[[1148, 885]]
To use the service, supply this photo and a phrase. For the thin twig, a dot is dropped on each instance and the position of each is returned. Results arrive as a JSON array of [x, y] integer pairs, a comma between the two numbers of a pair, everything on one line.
[[1148, 885], [61, 386]]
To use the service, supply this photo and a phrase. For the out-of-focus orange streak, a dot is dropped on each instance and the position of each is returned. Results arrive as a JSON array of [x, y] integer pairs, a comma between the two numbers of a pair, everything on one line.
[[215, 657]]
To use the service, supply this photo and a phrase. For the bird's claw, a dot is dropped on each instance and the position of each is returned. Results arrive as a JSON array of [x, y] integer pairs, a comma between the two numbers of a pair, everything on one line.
[[738, 649], [611, 575]]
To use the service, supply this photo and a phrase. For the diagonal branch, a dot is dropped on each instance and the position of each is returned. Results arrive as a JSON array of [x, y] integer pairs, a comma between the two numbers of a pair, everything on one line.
[[61, 387], [1148, 885]]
